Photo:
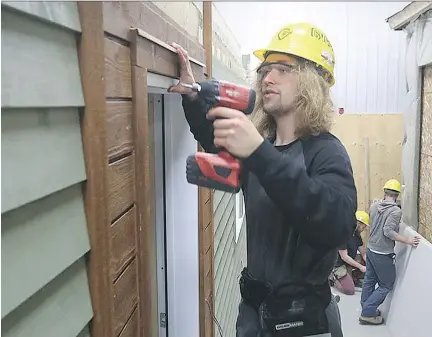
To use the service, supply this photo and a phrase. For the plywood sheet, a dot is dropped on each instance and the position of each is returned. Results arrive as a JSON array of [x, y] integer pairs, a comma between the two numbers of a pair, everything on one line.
[[384, 133], [425, 179]]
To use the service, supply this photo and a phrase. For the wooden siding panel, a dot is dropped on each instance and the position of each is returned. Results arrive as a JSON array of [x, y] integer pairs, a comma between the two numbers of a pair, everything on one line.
[[118, 75], [39, 241], [120, 16], [62, 308], [119, 128], [218, 211], [131, 328], [64, 13], [92, 67], [41, 153], [123, 236], [125, 297], [121, 187], [221, 251], [39, 64]]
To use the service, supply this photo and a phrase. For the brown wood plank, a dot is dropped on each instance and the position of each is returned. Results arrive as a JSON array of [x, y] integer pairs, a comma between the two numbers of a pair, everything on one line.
[[121, 186], [119, 128], [207, 238], [124, 296], [159, 57], [205, 215], [120, 16], [143, 126], [207, 212], [118, 78], [123, 240], [91, 61], [131, 328]]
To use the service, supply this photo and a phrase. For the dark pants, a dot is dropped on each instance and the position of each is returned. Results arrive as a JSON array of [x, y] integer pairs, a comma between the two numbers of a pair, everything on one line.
[[248, 322], [380, 269]]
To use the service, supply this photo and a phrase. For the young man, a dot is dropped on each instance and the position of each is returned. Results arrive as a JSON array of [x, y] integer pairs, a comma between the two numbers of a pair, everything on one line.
[[385, 217], [343, 276], [298, 184]]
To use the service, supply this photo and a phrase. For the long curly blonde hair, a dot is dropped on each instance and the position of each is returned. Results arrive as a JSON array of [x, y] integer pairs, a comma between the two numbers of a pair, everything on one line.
[[314, 109]]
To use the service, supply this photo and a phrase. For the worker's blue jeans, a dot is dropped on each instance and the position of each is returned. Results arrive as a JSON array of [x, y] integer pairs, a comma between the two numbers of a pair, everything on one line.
[[380, 269]]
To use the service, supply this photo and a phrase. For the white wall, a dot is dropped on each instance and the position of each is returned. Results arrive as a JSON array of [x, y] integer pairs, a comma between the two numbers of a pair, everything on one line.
[[369, 56], [181, 224]]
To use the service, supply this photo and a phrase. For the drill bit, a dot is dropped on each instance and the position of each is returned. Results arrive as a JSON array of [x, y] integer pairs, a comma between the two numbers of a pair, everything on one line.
[[195, 87]]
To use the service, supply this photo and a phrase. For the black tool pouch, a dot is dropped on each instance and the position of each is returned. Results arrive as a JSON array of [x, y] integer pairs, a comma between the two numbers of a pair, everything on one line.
[[253, 291], [293, 310]]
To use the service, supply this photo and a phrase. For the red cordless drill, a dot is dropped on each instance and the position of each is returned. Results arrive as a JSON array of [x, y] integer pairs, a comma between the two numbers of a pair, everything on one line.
[[219, 171]]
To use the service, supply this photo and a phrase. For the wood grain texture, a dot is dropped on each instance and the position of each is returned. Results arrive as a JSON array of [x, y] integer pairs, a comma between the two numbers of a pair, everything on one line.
[[125, 297], [425, 174], [205, 209], [118, 79], [121, 186], [123, 237], [131, 328], [120, 16], [158, 57], [92, 66], [119, 128], [143, 126], [385, 136]]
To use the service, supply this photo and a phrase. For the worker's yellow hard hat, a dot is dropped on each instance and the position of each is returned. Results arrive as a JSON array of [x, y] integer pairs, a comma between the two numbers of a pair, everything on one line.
[[393, 185], [306, 41], [363, 217]]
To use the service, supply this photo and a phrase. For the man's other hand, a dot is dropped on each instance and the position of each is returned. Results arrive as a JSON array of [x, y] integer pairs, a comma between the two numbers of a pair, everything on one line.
[[234, 132], [186, 75], [415, 241]]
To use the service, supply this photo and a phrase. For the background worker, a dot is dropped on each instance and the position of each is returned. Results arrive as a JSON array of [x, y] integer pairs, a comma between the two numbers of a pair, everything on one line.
[[385, 217], [298, 184], [342, 276]]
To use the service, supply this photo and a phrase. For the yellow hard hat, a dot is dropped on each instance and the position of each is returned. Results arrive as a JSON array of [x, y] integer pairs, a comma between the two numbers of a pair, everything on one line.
[[306, 41], [363, 217], [393, 185]]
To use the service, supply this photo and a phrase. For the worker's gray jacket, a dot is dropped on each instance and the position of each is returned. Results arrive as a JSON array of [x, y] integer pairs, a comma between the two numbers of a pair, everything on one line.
[[385, 217]]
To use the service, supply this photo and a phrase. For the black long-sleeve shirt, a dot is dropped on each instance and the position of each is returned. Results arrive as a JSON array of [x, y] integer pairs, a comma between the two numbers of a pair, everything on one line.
[[300, 203]]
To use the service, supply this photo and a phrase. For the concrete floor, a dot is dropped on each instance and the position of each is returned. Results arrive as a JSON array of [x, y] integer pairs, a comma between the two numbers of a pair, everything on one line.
[[349, 307]]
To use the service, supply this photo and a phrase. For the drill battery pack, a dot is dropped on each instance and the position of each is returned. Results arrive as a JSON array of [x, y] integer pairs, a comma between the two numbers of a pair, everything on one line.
[[217, 171]]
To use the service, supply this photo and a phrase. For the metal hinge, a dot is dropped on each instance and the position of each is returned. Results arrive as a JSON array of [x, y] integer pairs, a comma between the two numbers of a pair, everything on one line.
[[163, 320]]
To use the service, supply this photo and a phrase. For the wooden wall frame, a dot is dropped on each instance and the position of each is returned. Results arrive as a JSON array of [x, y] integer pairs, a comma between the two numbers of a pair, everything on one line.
[[150, 55], [107, 77], [91, 61]]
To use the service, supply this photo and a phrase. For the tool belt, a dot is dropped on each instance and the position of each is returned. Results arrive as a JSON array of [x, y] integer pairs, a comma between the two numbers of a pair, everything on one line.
[[293, 309]]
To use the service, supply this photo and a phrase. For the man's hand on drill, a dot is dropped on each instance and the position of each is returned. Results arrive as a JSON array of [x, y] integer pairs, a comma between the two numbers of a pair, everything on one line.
[[234, 132], [186, 74]]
